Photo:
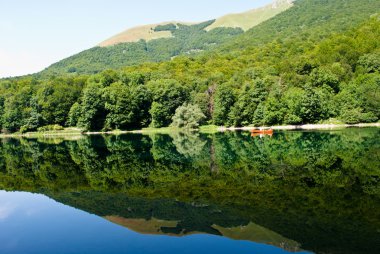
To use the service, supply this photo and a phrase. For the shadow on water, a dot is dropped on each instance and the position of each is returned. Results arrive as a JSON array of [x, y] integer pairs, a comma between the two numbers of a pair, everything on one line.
[[317, 191]]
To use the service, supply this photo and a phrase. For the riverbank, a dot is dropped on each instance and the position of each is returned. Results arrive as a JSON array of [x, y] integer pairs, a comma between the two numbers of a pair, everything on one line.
[[75, 133]]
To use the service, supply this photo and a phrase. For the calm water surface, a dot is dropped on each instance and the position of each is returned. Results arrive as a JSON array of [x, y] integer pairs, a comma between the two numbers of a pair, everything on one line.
[[299, 192]]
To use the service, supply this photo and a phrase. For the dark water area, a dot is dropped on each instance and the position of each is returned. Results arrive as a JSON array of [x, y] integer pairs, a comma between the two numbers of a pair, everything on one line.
[[293, 192]]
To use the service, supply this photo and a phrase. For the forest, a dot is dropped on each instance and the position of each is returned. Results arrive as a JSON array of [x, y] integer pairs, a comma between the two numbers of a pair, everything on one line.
[[317, 62]]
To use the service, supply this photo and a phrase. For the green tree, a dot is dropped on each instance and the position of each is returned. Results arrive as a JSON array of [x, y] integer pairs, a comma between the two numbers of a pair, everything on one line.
[[74, 114], [225, 98], [250, 96], [55, 98], [93, 112], [188, 116], [370, 62], [310, 109], [168, 95]]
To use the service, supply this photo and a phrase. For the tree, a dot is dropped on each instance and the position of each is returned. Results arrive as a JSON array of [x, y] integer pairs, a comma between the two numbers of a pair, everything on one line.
[[292, 99], [322, 76], [119, 106], [359, 101], [74, 114], [168, 95], [93, 112], [310, 109], [55, 98], [251, 95], [35, 118], [188, 116], [370, 62], [17, 109], [225, 98]]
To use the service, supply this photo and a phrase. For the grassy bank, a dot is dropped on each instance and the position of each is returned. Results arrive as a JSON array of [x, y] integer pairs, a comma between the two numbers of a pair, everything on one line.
[[39, 134]]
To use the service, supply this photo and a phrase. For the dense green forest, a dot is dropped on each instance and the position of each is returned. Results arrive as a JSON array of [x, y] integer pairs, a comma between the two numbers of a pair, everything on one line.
[[306, 186], [318, 61]]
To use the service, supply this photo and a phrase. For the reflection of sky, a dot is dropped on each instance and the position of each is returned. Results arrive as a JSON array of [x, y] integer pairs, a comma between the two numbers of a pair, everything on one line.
[[31, 223], [5, 210]]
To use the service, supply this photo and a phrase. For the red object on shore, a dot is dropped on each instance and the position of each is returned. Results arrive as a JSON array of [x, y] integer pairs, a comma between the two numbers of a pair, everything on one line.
[[267, 132]]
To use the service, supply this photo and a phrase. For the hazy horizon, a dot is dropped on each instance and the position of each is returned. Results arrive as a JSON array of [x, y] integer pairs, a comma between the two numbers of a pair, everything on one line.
[[39, 33]]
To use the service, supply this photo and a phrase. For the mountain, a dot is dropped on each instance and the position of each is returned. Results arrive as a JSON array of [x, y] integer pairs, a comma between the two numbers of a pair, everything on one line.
[[252, 18], [174, 218], [145, 32], [244, 20], [185, 40], [311, 19], [251, 232], [161, 42]]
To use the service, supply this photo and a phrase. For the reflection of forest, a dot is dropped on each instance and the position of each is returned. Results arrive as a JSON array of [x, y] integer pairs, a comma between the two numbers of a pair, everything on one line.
[[306, 186]]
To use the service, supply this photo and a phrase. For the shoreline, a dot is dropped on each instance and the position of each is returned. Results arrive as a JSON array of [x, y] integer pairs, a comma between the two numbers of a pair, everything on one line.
[[302, 127], [166, 130]]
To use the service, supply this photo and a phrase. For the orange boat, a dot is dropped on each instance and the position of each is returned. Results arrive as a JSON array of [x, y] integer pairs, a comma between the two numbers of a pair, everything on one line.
[[262, 131]]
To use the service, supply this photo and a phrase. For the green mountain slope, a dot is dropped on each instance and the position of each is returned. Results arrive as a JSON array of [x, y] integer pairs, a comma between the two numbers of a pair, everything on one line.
[[314, 19], [251, 18], [185, 39], [244, 20], [162, 42], [146, 32]]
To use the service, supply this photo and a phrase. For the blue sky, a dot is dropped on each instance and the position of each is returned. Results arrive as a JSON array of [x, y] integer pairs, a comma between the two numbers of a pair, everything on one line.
[[35, 34]]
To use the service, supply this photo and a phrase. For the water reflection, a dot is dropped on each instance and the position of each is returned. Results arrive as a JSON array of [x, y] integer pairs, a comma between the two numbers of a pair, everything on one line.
[[317, 191]]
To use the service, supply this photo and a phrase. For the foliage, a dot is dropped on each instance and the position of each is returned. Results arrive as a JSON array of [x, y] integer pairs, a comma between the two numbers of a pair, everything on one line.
[[168, 95], [188, 116], [54, 127], [167, 27]]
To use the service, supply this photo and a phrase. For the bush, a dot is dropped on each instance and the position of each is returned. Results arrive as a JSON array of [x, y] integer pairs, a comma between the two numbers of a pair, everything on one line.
[[53, 127], [188, 116]]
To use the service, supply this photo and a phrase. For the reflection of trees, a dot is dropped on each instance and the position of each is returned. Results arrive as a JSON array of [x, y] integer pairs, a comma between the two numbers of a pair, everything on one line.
[[327, 180], [338, 159], [188, 144]]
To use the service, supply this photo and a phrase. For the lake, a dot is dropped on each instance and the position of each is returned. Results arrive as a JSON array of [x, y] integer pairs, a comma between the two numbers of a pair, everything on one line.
[[293, 192]]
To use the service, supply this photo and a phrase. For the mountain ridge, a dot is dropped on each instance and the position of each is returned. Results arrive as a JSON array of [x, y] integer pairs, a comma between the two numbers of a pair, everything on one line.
[[244, 20]]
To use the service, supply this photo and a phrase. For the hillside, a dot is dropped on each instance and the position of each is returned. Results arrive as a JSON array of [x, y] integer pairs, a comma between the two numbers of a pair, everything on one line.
[[250, 232], [146, 32], [184, 40], [244, 20], [307, 19], [162, 42], [316, 62], [252, 18]]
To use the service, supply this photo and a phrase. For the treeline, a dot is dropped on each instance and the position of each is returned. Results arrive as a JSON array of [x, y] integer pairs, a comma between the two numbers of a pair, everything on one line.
[[337, 78]]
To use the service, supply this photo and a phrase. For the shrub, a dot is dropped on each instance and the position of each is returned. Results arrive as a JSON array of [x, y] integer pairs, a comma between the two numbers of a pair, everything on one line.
[[52, 127], [188, 116]]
